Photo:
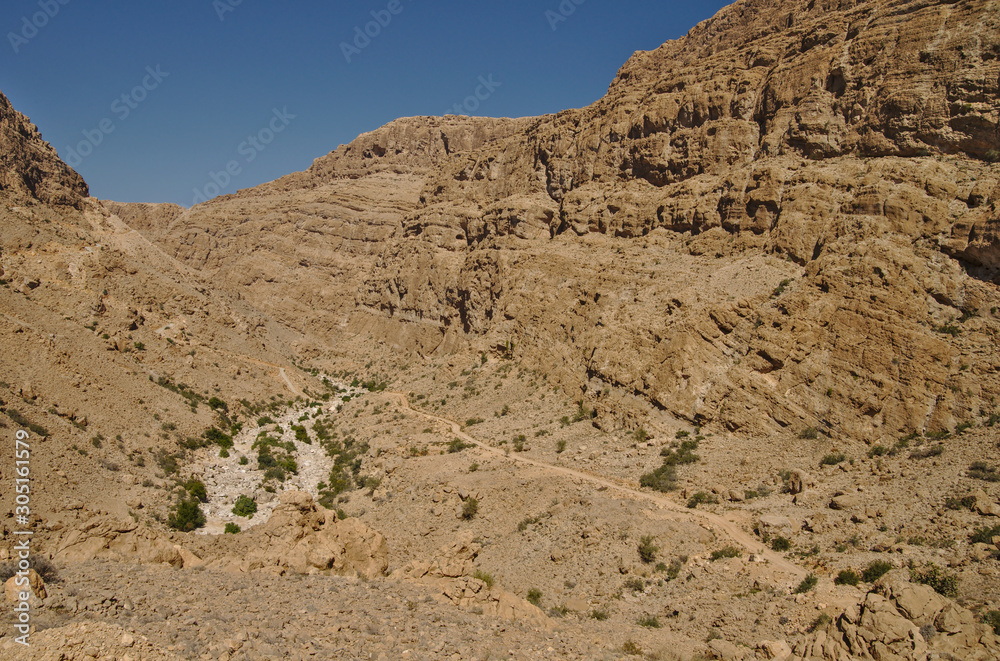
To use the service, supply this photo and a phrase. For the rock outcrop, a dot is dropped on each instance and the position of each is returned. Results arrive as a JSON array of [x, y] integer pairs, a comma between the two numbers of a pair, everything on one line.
[[109, 539], [30, 169], [304, 537], [452, 572], [902, 620]]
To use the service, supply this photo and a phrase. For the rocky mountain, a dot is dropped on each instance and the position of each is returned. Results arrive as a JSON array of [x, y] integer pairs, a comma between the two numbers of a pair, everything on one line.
[[707, 368], [755, 202]]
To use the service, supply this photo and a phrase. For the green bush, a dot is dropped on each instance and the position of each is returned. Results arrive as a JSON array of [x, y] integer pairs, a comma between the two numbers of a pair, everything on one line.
[[484, 577], [980, 470], [187, 516], [662, 479], [534, 597], [647, 549], [245, 506], [944, 584], [232, 528], [217, 404], [927, 453], [725, 552], [196, 489], [992, 618], [457, 445], [649, 621], [984, 535], [875, 570], [847, 577], [809, 433], [560, 446], [701, 498], [470, 509], [832, 459], [602, 615], [781, 544], [807, 584], [215, 435]]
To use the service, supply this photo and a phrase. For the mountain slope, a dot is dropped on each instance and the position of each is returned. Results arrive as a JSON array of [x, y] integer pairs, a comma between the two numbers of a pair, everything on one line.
[[844, 148]]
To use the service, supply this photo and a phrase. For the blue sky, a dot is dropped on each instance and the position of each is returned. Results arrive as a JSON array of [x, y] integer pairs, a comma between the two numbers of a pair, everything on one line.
[[148, 99]]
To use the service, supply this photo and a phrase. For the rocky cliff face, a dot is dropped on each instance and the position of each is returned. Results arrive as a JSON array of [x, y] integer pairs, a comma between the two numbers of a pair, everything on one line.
[[29, 166], [786, 218]]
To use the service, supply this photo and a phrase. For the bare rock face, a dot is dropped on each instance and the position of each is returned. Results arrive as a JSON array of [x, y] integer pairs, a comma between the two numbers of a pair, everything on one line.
[[303, 537], [30, 168], [105, 538]]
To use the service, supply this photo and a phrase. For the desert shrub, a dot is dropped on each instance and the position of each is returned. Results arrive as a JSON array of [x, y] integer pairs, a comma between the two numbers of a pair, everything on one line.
[[992, 618], [649, 621], [244, 461], [943, 583], [680, 453], [457, 445], [196, 489], [473, 467], [473, 421], [663, 478], [470, 509], [832, 459], [781, 544], [602, 615], [484, 577], [635, 584], [877, 451], [534, 597], [560, 446], [245, 506], [847, 577], [959, 503], [821, 621], [807, 584], [980, 470], [647, 549], [928, 452], [809, 433], [875, 570], [219, 437], [167, 462], [701, 498], [725, 552], [264, 420], [984, 535], [232, 528], [187, 516], [217, 404], [640, 435], [631, 648]]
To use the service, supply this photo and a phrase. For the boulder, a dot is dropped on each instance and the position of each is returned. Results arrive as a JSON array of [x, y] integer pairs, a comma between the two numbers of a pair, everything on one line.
[[35, 588], [846, 501], [799, 481]]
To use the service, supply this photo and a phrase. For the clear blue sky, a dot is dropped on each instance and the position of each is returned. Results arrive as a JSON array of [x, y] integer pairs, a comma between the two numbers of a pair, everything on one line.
[[226, 76]]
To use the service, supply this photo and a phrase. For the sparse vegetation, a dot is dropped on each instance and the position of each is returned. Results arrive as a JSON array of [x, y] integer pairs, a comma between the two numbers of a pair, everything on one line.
[[470, 509], [984, 535], [649, 621], [847, 577], [187, 516], [196, 489], [943, 583], [781, 544], [245, 506], [701, 498], [807, 584], [980, 470], [457, 445], [648, 549], [725, 552], [534, 597], [484, 577], [232, 528], [875, 570], [832, 459], [809, 433]]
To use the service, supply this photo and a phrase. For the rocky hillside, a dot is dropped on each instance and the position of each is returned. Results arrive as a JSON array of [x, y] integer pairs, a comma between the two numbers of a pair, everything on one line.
[[788, 218]]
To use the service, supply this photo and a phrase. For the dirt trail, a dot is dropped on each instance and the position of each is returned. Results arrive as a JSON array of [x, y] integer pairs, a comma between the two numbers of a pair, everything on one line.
[[713, 522]]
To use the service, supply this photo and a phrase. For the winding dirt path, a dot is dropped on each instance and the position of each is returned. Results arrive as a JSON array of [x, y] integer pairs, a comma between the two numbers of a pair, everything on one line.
[[712, 522]]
